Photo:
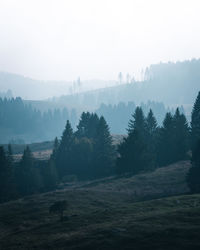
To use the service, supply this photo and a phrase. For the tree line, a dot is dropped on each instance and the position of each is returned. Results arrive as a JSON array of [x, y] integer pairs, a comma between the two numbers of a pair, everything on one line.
[[21, 122], [89, 153], [123, 110]]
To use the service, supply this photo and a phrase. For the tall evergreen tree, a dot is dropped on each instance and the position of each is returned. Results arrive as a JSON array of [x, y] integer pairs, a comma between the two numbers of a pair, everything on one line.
[[134, 155], [87, 125], [6, 187], [195, 122], [151, 124], [152, 136], [83, 162], [103, 150], [138, 122], [180, 136], [165, 146], [28, 176], [193, 177], [64, 155]]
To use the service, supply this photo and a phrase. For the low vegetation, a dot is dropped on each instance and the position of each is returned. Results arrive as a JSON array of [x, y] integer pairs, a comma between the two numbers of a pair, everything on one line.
[[134, 195], [102, 217]]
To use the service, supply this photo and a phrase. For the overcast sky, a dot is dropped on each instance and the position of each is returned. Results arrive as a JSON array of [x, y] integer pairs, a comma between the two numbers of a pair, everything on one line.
[[95, 39]]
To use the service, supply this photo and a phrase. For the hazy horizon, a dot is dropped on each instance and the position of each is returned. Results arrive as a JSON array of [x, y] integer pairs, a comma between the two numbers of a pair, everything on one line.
[[64, 40]]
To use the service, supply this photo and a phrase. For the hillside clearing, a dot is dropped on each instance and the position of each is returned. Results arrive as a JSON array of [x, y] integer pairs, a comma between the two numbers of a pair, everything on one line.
[[104, 214]]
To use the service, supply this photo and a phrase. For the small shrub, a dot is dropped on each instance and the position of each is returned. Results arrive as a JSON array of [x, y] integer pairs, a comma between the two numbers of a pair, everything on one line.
[[58, 208]]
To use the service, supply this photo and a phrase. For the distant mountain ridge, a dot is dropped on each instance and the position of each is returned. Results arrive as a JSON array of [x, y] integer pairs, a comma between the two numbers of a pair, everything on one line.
[[174, 84], [32, 89]]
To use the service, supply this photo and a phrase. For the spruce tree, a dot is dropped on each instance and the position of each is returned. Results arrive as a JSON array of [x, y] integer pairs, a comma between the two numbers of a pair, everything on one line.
[[83, 126], [83, 158], [64, 155], [138, 122], [103, 150], [193, 177], [50, 173], [87, 126], [134, 155], [195, 122], [5, 177], [180, 136], [165, 146], [152, 136], [28, 176], [151, 124]]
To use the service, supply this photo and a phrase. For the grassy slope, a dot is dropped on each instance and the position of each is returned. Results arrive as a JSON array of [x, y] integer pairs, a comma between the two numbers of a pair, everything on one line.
[[101, 217]]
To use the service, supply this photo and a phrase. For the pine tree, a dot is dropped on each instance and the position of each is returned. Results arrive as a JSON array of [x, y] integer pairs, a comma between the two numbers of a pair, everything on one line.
[[87, 126], [50, 173], [165, 146], [5, 177], [152, 136], [173, 139], [134, 155], [193, 177], [195, 122], [103, 150], [64, 154], [180, 136], [138, 122], [151, 124], [28, 176], [83, 159]]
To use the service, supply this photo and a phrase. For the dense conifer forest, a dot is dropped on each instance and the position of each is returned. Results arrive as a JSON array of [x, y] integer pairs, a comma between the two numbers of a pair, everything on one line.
[[99, 125], [88, 152]]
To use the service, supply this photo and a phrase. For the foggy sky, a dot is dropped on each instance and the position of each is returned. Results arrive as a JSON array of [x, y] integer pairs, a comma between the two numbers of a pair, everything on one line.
[[95, 39]]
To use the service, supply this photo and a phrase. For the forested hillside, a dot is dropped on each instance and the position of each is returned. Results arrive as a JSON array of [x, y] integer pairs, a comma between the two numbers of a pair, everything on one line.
[[21, 123], [171, 83]]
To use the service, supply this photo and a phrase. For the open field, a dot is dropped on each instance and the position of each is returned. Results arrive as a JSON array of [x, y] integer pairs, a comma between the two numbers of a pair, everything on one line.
[[108, 214]]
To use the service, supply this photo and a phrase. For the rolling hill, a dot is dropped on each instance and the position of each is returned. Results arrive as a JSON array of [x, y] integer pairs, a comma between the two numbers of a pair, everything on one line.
[[108, 214]]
